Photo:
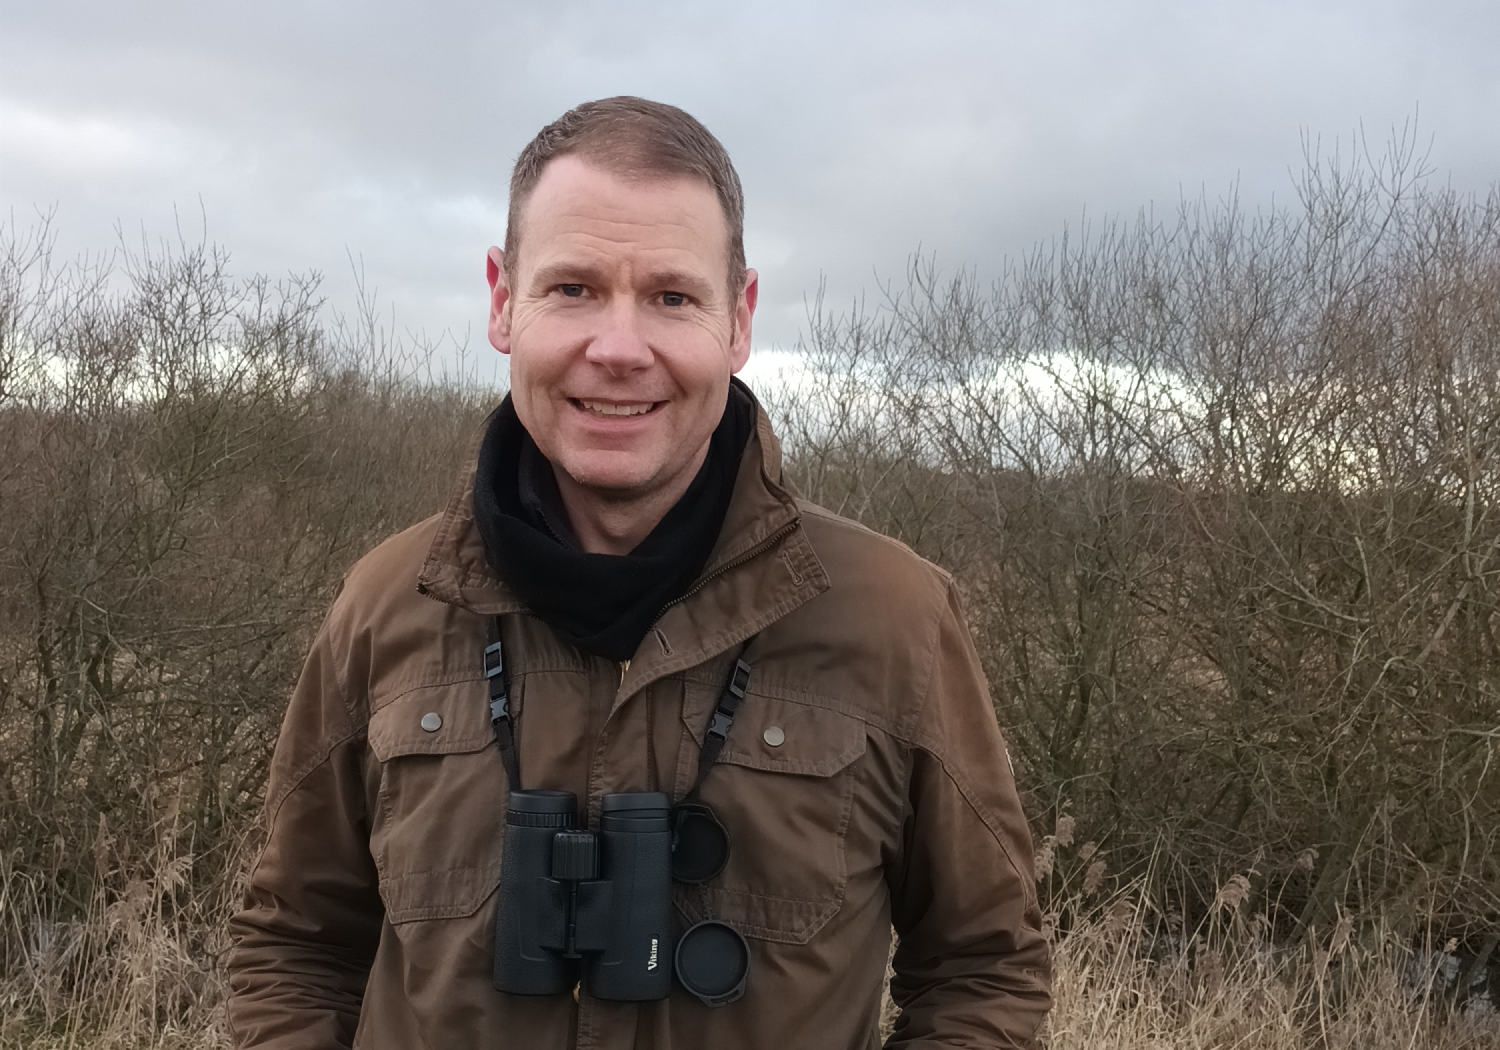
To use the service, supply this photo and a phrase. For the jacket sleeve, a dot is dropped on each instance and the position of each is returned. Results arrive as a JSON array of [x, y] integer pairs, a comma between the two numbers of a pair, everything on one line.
[[972, 967], [304, 940]]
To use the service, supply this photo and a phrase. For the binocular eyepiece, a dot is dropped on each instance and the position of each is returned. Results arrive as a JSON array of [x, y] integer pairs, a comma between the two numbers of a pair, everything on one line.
[[596, 907]]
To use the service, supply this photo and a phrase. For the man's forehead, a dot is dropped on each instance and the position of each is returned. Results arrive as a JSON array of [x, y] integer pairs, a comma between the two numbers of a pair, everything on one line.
[[571, 186], [581, 204]]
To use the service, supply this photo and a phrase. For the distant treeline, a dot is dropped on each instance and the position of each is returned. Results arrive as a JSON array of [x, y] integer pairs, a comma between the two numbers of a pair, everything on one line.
[[1222, 491]]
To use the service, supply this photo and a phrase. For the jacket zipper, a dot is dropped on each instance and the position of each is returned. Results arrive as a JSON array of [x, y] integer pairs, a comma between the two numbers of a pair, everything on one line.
[[754, 552]]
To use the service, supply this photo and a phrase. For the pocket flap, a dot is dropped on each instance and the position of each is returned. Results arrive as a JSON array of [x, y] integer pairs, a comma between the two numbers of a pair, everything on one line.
[[448, 719], [783, 736]]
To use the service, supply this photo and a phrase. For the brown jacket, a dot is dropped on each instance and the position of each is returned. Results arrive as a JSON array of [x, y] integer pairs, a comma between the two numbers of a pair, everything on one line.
[[369, 918]]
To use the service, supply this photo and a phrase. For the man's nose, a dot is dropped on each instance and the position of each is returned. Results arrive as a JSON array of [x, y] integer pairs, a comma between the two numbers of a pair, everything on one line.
[[620, 343]]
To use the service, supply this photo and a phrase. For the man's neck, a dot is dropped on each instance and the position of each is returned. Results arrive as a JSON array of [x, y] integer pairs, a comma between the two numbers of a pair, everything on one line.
[[617, 526]]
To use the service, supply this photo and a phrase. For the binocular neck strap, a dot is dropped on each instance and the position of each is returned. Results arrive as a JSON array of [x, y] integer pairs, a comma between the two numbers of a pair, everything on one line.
[[720, 721], [505, 731], [499, 682]]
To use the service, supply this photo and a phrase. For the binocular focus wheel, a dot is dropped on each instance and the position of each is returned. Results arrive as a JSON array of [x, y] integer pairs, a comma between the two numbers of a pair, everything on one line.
[[711, 962]]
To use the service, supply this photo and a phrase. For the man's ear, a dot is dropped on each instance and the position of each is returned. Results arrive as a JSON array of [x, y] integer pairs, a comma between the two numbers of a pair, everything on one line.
[[744, 310], [499, 325]]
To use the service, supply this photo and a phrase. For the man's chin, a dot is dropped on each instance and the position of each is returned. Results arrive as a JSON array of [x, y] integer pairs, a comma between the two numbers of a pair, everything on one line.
[[633, 475], [613, 478]]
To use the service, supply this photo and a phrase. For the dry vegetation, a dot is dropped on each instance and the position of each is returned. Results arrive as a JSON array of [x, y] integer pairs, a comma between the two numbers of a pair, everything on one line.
[[1223, 491]]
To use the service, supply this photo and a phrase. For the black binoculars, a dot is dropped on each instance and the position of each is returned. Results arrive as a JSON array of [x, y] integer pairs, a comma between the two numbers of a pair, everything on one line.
[[595, 908]]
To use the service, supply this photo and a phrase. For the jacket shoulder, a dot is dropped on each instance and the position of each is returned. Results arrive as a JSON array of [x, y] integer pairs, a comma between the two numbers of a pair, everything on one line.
[[388, 572], [857, 556], [877, 630], [381, 611]]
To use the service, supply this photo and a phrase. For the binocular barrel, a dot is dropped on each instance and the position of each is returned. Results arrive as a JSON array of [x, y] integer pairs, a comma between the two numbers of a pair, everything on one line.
[[527, 914], [579, 904], [636, 835]]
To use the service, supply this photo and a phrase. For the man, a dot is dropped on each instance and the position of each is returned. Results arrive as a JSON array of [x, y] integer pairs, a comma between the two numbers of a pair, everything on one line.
[[627, 537]]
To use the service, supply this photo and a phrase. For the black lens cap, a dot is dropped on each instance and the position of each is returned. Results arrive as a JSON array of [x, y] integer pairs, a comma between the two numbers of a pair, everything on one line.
[[700, 844], [712, 961]]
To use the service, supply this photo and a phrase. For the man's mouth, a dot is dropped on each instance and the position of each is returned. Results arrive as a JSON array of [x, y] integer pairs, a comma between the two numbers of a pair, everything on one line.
[[615, 408]]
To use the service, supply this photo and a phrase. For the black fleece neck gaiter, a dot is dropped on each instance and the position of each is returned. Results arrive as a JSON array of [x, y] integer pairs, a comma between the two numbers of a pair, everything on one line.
[[603, 603]]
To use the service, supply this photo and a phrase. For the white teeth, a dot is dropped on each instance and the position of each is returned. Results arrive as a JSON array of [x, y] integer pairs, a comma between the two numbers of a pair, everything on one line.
[[605, 408]]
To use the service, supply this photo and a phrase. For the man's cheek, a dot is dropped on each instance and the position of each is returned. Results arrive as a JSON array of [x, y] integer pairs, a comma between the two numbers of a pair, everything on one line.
[[544, 330], [716, 326]]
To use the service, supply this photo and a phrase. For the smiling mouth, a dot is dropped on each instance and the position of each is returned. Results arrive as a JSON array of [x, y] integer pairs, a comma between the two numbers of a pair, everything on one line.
[[611, 408]]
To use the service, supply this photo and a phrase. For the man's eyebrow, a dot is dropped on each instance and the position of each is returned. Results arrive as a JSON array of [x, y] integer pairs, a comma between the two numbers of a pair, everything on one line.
[[549, 274], [678, 281]]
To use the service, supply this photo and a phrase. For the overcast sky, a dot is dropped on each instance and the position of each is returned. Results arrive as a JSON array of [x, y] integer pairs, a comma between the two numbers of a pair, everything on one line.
[[309, 131]]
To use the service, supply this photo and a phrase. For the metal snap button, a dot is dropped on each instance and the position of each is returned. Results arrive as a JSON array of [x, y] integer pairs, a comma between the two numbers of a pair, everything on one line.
[[774, 736], [432, 721]]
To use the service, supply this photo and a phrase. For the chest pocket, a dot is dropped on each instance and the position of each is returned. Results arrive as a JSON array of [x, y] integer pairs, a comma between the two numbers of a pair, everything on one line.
[[436, 831], [783, 787]]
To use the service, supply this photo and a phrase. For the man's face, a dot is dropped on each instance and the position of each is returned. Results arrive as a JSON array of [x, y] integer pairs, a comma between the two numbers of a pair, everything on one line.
[[620, 326]]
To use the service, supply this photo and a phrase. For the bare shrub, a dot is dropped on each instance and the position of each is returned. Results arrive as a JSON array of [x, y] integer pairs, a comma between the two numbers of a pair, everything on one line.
[[1222, 491], [191, 461]]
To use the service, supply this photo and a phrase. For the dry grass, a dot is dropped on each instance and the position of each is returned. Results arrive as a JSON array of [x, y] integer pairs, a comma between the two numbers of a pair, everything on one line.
[[142, 968], [1119, 989], [145, 972]]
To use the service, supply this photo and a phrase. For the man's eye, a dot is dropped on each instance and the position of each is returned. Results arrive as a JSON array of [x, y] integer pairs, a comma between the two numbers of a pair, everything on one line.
[[673, 298], [572, 291]]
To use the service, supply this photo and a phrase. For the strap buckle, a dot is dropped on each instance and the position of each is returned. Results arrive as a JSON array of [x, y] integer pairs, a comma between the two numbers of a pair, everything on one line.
[[494, 670], [719, 727], [739, 679], [734, 692], [494, 660]]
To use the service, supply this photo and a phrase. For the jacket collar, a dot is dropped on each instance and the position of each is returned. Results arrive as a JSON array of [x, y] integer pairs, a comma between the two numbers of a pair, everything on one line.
[[761, 568]]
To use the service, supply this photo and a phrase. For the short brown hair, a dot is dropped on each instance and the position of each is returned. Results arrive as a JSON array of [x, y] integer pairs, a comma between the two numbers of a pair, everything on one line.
[[632, 137]]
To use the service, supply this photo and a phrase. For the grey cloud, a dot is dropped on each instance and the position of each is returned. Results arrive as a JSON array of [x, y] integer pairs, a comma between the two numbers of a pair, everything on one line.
[[316, 129]]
